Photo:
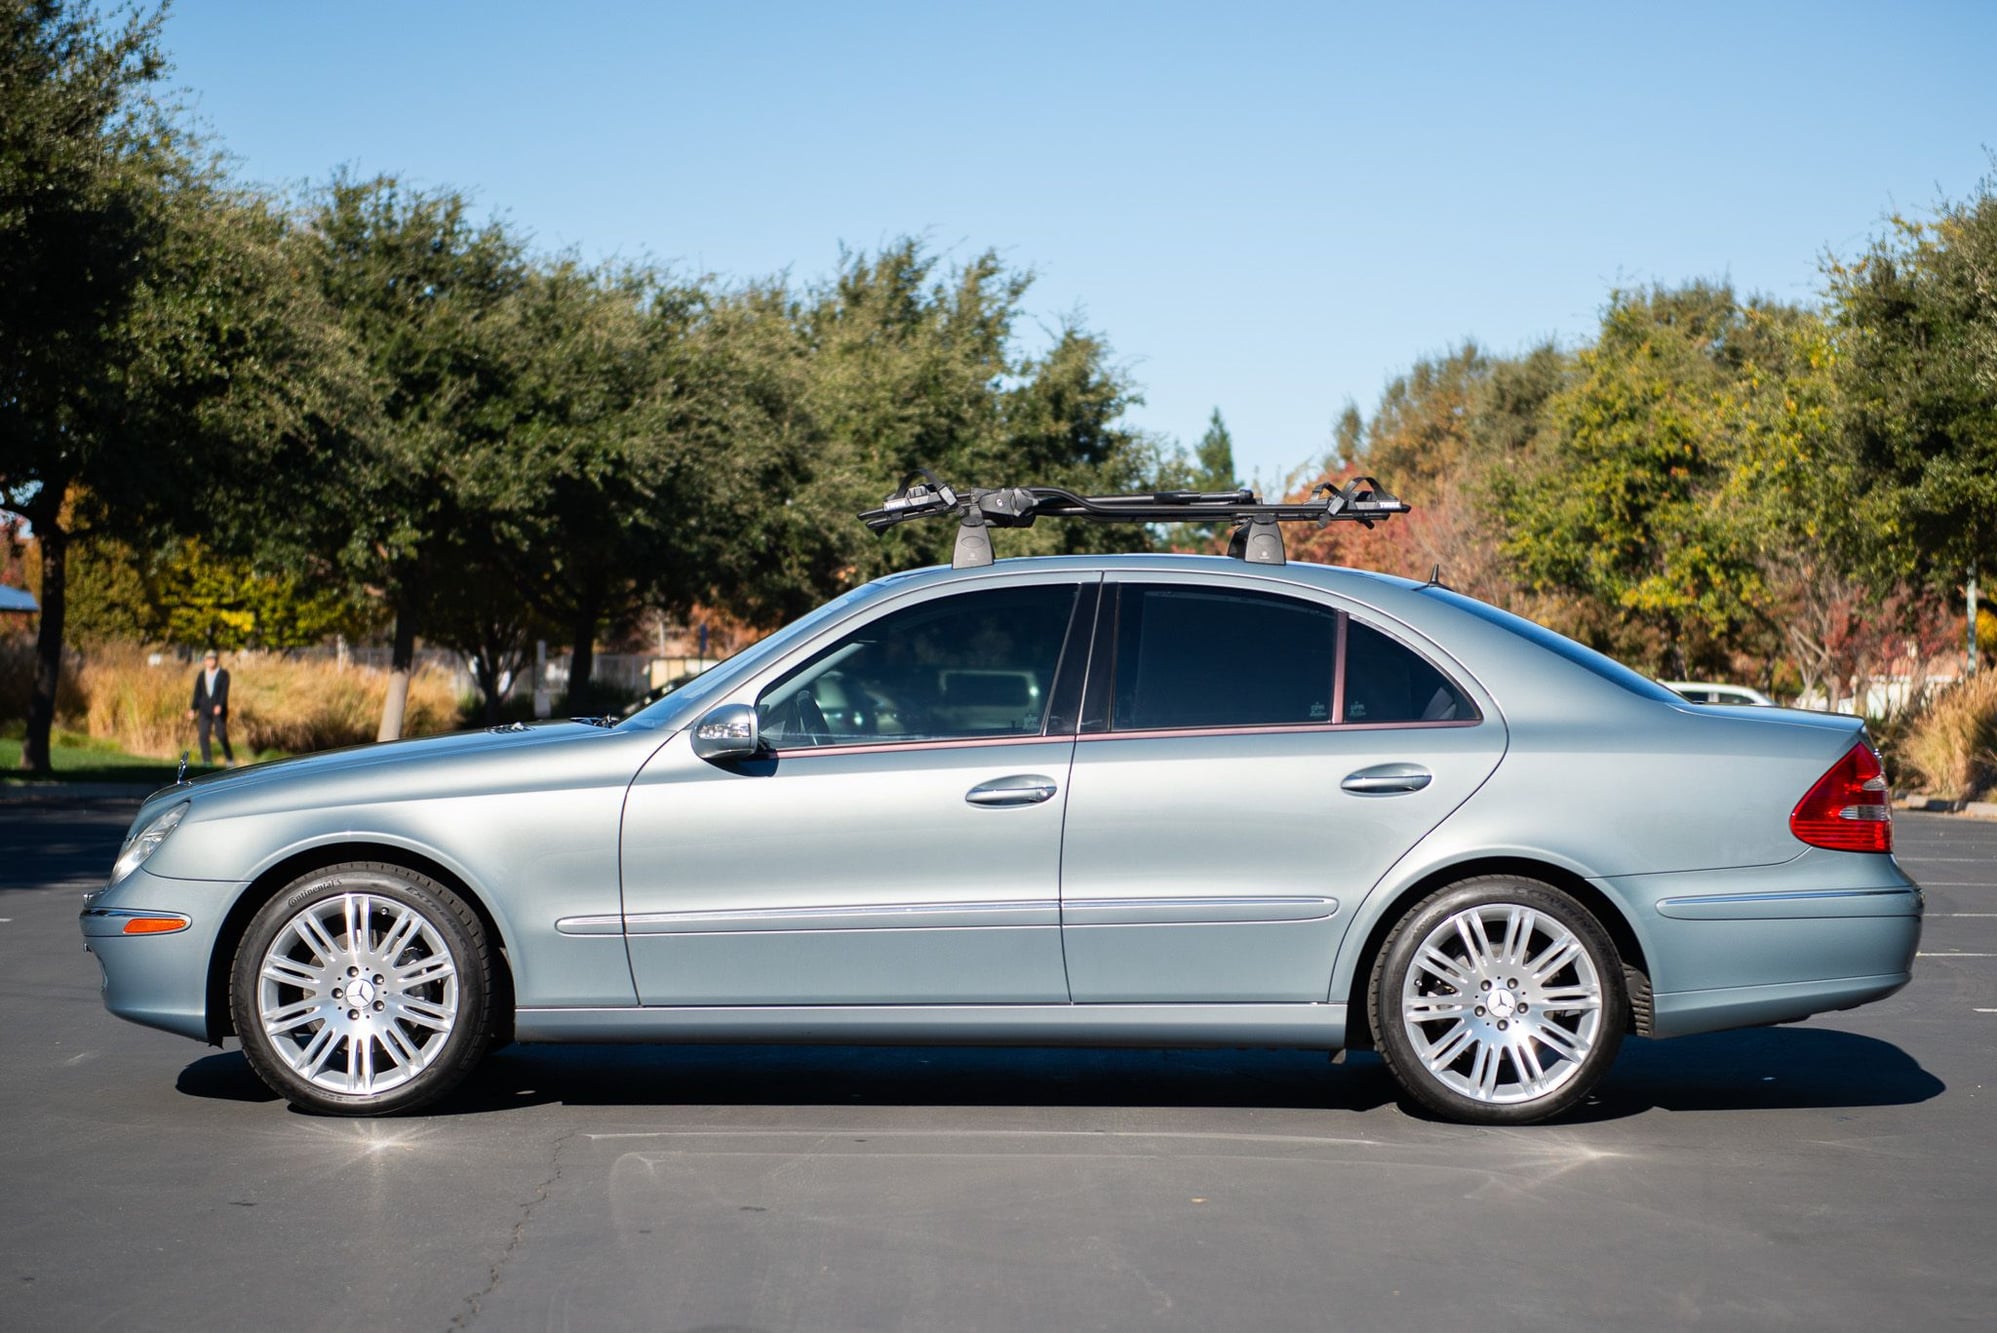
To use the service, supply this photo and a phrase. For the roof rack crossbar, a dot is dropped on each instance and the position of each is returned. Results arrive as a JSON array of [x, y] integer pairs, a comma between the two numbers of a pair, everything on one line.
[[1257, 537]]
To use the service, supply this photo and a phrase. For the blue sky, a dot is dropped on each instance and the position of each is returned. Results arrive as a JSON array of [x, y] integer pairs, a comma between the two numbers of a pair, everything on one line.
[[1269, 208]]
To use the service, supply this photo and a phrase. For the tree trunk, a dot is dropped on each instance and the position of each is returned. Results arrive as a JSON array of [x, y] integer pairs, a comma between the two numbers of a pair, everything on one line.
[[401, 661], [487, 671], [582, 660], [54, 544]]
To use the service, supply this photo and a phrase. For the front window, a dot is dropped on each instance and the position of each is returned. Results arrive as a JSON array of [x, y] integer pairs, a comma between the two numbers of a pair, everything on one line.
[[963, 667]]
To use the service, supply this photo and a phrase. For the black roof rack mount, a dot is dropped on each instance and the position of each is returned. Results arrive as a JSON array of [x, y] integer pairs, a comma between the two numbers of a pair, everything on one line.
[[1257, 538]]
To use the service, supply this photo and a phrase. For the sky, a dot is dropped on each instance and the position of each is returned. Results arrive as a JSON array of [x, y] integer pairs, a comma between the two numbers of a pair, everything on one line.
[[1272, 209]]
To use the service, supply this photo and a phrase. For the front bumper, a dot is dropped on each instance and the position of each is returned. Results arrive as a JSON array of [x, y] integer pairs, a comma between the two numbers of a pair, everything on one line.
[[159, 980]]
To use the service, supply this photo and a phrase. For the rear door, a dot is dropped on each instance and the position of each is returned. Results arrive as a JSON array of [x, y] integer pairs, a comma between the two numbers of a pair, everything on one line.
[[1252, 759]]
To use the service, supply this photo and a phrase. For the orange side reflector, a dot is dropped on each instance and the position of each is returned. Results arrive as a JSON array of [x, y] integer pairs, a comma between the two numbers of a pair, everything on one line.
[[154, 925]]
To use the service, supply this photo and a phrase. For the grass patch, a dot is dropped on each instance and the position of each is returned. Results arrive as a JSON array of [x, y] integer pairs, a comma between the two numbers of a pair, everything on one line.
[[77, 758]]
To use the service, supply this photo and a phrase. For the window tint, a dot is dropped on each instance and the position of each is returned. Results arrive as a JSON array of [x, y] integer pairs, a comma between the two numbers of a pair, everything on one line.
[[1385, 682], [1189, 657], [976, 664]]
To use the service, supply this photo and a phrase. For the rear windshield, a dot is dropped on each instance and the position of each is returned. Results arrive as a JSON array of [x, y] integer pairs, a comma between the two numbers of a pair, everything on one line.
[[1559, 644]]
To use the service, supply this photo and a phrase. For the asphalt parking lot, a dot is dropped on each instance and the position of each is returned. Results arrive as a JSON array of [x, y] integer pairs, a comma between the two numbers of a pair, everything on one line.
[[1836, 1174]]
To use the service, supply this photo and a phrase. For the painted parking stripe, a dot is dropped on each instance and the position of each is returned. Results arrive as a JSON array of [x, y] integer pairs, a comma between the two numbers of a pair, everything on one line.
[[1956, 955]]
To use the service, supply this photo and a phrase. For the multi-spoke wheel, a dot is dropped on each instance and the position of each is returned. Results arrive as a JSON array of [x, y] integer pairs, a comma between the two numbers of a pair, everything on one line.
[[1499, 1001], [363, 989]]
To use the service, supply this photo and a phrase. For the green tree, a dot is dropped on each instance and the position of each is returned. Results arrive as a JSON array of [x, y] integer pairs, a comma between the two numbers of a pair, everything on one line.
[[154, 339], [1213, 458], [427, 299], [83, 156], [605, 467], [1618, 503], [1916, 322], [838, 391], [1445, 437]]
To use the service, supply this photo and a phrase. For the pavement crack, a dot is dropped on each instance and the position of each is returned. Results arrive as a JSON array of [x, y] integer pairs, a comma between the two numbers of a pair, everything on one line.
[[475, 1302]]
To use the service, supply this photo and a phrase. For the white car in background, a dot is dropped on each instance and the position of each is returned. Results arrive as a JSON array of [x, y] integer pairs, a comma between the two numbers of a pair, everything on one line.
[[1703, 692]]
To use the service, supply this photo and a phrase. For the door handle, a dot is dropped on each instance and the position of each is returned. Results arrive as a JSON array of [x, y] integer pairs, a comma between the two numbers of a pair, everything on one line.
[[1387, 780], [1017, 789]]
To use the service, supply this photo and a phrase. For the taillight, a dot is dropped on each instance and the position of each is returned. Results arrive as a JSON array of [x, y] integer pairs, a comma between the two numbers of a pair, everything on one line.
[[1847, 811]]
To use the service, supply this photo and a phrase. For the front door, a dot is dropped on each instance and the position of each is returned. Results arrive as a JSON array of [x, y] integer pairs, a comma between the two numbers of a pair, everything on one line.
[[899, 843]]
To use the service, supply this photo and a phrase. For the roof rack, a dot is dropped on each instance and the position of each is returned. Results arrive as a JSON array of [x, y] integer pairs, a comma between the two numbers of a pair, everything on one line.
[[1256, 539]]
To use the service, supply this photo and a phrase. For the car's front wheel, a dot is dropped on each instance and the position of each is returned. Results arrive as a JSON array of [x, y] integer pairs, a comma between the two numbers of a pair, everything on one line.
[[363, 989], [1498, 1000]]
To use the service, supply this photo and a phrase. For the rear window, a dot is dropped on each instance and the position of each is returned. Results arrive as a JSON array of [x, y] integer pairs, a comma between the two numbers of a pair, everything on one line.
[[1386, 682], [1195, 657], [1558, 644]]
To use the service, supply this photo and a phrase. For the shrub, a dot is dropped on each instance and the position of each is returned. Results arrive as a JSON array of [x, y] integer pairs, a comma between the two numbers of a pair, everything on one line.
[[1950, 746]]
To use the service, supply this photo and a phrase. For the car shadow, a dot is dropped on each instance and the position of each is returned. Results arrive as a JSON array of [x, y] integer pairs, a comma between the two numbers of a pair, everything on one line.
[[1773, 1068], [1755, 1069]]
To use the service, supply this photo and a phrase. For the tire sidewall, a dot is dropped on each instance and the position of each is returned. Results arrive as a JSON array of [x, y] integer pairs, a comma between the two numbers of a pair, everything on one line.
[[1397, 956], [454, 923]]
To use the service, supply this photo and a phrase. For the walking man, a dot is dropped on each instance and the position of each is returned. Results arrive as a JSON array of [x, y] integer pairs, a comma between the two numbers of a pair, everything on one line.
[[211, 707]]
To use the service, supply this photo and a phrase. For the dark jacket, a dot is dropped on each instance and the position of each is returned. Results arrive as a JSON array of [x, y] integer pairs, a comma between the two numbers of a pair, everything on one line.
[[205, 705]]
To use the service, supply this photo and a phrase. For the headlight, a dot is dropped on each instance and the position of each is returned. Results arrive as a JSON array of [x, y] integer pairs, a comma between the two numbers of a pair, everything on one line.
[[145, 842]]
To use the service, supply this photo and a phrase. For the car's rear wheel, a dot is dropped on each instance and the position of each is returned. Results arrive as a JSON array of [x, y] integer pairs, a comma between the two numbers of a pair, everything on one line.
[[363, 989], [1498, 1000]]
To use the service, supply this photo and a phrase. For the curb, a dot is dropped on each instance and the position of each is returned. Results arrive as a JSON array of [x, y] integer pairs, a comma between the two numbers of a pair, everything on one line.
[[1935, 805]]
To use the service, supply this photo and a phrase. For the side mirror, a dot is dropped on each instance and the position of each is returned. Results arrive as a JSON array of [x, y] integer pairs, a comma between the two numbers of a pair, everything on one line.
[[727, 732]]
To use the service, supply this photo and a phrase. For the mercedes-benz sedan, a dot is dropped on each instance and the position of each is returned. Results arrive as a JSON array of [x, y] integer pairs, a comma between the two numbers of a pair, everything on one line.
[[1141, 800]]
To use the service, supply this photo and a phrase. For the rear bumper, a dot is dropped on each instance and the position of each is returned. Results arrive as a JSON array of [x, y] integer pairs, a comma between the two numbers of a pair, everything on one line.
[[1682, 1013], [1773, 944]]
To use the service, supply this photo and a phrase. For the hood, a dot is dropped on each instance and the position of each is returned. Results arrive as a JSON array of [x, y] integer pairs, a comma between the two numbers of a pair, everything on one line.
[[377, 753], [515, 757]]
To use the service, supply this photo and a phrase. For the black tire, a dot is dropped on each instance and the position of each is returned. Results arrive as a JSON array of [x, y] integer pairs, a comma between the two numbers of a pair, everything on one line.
[[1503, 1031], [385, 1025]]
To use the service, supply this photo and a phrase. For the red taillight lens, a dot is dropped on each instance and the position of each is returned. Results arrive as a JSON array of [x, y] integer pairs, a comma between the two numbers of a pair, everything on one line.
[[1847, 811]]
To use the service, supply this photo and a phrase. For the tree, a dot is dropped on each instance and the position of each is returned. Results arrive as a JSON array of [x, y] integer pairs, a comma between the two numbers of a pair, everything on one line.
[[1618, 502], [81, 149], [1916, 320], [594, 510], [834, 393], [424, 296], [154, 339], [1445, 437], [1213, 458]]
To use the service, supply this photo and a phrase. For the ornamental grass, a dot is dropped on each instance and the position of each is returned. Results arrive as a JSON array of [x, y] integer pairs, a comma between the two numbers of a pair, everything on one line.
[[275, 703], [1950, 747]]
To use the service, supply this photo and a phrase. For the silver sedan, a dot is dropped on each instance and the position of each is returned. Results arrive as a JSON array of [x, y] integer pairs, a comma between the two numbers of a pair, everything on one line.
[[1141, 800]]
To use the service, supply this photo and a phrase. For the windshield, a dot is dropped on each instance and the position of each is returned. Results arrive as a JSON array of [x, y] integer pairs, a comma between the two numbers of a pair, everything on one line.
[[1559, 644], [676, 702]]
